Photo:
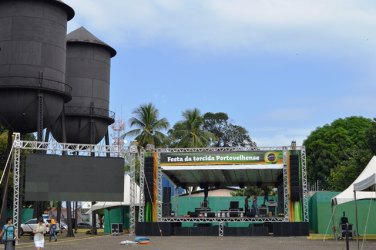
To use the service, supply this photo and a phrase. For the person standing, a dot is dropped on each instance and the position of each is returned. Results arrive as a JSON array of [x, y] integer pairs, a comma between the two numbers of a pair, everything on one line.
[[39, 232], [246, 205], [9, 234], [254, 205], [53, 227], [266, 196]]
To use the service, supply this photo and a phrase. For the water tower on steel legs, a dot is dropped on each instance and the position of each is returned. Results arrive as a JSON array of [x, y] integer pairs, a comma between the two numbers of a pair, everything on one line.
[[32, 66], [87, 115]]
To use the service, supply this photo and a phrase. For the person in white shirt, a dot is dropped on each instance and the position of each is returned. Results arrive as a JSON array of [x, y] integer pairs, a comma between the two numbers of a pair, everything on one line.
[[39, 232]]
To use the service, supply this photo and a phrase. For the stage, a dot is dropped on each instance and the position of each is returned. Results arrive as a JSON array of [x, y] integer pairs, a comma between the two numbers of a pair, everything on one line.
[[277, 229], [283, 168]]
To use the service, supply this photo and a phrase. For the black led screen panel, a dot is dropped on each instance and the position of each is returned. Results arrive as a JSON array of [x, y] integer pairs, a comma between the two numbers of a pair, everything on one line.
[[73, 178]]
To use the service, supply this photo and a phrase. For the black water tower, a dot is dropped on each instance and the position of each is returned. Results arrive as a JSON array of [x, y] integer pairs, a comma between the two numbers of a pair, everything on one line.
[[87, 115], [32, 63]]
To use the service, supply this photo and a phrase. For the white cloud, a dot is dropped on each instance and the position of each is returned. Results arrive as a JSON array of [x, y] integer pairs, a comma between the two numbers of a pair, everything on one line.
[[231, 24]]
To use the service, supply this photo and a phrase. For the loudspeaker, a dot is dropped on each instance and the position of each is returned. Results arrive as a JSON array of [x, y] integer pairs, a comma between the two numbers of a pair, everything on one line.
[[149, 191], [349, 233], [149, 176], [166, 194], [263, 211], [230, 231], [294, 179], [281, 199], [234, 204], [116, 228], [237, 231], [343, 227], [210, 214], [156, 228], [269, 226], [277, 229], [286, 229], [304, 228], [295, 183], [166, 209], [259, 230], [204, 231], [295, 229], [290, 229], [149, 179], [182, 231], [149, 160], [234, 214], [295, 193], [148, 165]]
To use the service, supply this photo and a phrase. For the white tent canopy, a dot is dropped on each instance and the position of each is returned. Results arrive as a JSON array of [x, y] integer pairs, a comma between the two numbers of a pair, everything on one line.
[[363, 180], [127, 197], [366, 183]]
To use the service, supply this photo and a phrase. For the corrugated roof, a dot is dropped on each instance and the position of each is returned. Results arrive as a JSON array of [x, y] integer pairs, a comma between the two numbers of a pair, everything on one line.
[[82, 35]]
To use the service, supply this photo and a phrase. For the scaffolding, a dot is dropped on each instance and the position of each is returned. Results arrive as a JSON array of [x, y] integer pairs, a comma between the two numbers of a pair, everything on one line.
[[51, 148], [286, 186]]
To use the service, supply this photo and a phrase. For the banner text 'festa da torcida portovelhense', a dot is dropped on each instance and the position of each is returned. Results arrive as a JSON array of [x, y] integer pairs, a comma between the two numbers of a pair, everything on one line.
[[221, 158]]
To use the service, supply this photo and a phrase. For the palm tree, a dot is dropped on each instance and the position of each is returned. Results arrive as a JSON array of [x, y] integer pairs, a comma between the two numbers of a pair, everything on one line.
[[190, 133], [148, 126]]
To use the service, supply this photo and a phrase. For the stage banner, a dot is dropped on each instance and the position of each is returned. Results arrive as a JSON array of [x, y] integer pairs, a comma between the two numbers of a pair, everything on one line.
[[221, 158]]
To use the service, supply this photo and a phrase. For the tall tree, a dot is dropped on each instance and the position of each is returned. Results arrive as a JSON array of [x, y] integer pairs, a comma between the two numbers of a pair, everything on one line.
[[148, 126], [339, 146], [237, 136], [190, 132], [216, 123], [227, 134], [371, 137]]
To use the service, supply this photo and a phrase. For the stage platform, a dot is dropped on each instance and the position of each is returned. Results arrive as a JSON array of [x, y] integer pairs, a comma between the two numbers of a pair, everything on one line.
[[277, 229]]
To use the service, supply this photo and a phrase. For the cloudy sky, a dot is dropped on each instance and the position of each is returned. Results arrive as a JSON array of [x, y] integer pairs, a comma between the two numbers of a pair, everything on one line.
[[279, 68]]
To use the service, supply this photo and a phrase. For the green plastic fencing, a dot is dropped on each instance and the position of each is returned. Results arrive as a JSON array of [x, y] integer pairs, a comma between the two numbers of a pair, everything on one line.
[[320, 214], [27, 214]]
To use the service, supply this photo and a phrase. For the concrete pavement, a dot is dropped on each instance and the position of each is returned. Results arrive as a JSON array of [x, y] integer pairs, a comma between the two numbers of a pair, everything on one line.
[[86, 242]]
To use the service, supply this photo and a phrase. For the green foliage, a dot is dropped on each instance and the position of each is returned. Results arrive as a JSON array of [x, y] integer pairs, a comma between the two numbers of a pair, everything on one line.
[[190, 132], [148, 126], [226, 134], [340, 173], [253, 190], [236, 136], [341, 145], [371, 137], [216, 123]]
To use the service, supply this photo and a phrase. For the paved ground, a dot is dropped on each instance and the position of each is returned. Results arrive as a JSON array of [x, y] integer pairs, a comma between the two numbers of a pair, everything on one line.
[[85, 242]]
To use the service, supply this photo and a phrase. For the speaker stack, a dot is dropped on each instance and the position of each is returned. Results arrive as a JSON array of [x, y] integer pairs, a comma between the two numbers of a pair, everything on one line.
[[281, 199], [166, 205], [149, 179], [295, 184], [290, 229]]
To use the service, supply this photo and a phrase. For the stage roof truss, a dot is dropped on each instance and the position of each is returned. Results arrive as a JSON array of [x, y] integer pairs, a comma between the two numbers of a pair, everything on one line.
[[222, 177]]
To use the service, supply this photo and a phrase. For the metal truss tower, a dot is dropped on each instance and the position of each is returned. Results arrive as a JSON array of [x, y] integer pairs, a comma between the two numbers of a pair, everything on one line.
[[118, 128], [52, 148]]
